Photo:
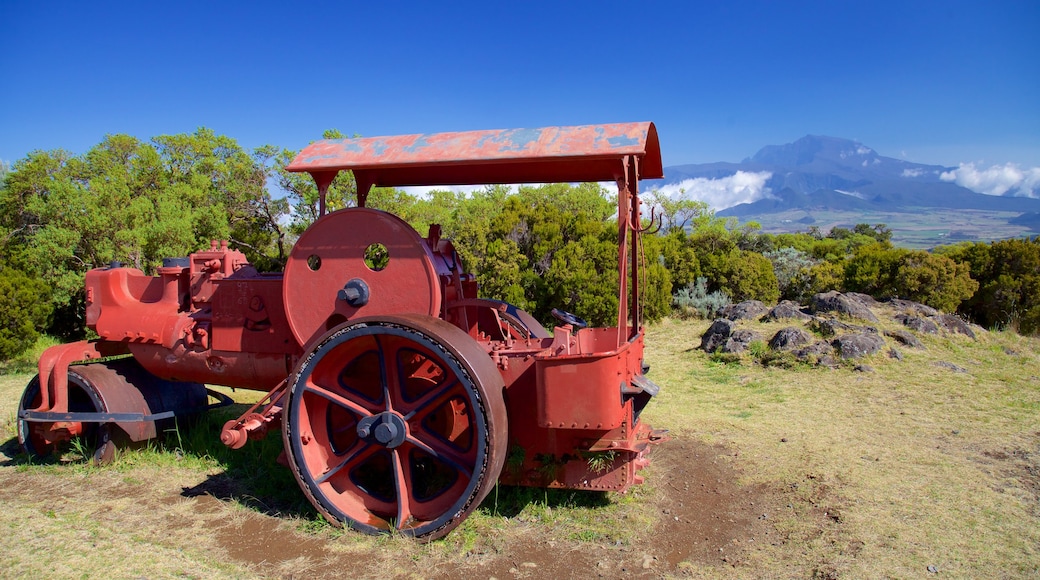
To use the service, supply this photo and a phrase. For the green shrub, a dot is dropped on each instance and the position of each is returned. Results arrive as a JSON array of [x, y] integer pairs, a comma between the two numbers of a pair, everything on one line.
[[24, 308], [694, 301], [792, 268]]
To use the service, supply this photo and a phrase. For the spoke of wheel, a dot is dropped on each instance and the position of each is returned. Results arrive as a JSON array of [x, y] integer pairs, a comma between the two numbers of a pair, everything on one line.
[[344, 402], [404, 507], [388, 364], [430, 400], [363, 452], [441, 454]]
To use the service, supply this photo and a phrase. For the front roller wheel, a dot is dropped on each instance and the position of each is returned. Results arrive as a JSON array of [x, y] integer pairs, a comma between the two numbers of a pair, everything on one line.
[[45, 440], [396, 424]]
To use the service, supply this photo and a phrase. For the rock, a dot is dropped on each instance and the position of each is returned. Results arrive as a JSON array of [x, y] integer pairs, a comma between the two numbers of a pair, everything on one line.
[[893, 353], [786, 310], [951, 366], [834, 327], [919, 324], [835, 301], [913, 308], [858, 345], [864, 299], [789, 338], [717, 334], [817, 349], [827, 361], [648, 561], [952, 323], [739, 340], [830, 326], [863, 369], [904, 337], [744, 310]]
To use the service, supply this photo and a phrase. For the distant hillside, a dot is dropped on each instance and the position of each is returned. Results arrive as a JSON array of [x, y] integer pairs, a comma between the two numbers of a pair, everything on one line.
[[830, 179]]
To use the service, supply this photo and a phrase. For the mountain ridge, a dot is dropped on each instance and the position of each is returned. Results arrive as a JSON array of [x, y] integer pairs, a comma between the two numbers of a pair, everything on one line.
[[820, 173]]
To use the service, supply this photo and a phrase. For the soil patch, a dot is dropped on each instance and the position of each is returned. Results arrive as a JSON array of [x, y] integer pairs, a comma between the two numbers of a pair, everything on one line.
[[702, 517], [708, 517]]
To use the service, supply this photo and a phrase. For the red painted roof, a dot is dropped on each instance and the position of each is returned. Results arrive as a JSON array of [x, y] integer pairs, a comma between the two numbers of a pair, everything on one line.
[[547, 155]]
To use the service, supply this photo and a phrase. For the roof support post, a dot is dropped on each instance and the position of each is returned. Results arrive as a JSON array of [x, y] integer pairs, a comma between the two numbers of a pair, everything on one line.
[[323, 179], [624, 200], [635, 226]]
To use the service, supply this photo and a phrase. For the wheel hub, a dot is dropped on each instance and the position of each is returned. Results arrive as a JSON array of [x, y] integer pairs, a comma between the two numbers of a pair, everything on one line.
[[387, 429]]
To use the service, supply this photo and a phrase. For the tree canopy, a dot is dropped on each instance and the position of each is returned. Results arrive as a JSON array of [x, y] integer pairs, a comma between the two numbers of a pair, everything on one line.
[[539, 247]]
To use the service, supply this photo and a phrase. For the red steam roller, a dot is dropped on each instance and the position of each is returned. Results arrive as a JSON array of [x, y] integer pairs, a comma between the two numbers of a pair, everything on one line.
[[402, 397]]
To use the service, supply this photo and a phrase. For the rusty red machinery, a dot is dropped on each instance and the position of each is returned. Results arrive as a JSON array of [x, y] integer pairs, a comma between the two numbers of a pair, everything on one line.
[[402, 396]]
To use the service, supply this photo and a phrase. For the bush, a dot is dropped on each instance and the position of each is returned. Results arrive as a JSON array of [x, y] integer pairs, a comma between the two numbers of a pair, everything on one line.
[[749, 276], [694, 301], [792, 268], [24, 308], [934, 280]]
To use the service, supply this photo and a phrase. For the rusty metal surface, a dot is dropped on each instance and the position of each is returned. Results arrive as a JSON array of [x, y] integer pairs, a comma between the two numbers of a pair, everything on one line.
[[551, 154], [332, 252]]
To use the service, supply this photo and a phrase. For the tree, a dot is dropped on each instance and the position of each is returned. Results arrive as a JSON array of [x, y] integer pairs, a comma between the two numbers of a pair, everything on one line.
[[1008, 273], [676, 214], [135, 203]]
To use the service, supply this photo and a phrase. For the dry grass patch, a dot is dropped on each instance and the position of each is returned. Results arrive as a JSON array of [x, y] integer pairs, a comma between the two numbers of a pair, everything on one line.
[[882, 473], [772, 472]]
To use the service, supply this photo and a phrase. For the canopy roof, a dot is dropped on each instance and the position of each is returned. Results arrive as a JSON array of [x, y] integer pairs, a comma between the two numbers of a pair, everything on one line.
[[547, 155]]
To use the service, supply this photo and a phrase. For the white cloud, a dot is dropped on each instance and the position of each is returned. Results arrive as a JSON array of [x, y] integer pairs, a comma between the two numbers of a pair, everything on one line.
[[851, 193], [915, 172], [741, 187], [997, 180]]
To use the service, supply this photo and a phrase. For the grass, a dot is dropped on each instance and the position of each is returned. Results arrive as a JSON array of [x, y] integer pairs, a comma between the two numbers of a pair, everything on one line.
[[877, 474], [904, 453]]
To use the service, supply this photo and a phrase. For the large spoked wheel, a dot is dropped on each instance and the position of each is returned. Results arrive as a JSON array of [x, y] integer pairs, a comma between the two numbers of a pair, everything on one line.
[[396, 424], [48, 440]]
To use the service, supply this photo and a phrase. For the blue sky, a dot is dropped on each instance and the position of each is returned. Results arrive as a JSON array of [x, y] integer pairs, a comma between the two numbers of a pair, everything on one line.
[[941, 82]]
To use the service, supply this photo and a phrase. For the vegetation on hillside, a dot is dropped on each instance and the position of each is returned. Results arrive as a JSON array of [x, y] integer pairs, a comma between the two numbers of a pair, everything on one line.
[[539, 247]]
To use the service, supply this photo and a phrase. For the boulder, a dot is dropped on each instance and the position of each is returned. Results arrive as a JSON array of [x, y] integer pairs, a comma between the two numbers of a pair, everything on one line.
[[834, 327], [744, 310], [952, 323], [835, 301], [786, 310], [913, 308], [739, 340], [917, 323], [864, 299], [717, 334], [904, 337], [817, 352], [858, 345], [789, 338]]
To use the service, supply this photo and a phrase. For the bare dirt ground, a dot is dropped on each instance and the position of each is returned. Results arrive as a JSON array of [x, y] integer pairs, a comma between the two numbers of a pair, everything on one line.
[[702, 516], [703, 520]]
